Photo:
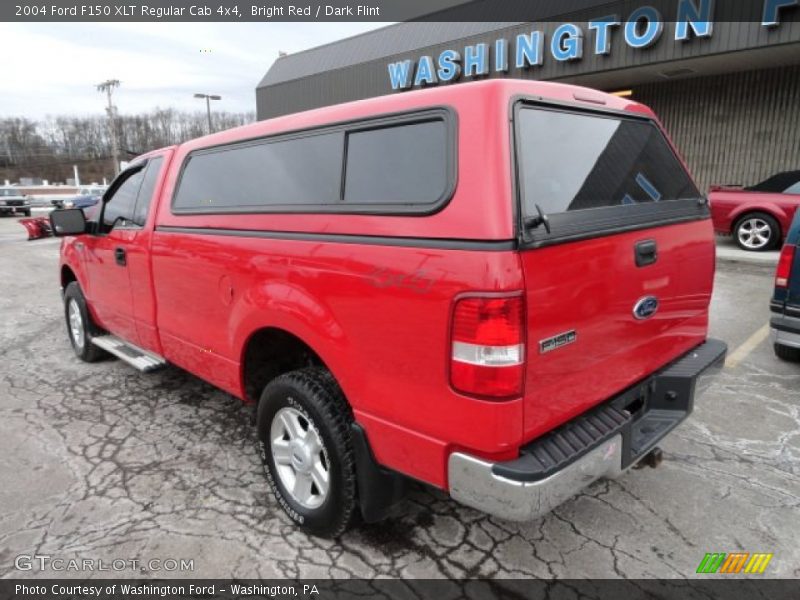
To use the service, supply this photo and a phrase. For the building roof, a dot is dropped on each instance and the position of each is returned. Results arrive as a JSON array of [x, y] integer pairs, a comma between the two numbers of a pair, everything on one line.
[[371, 45]]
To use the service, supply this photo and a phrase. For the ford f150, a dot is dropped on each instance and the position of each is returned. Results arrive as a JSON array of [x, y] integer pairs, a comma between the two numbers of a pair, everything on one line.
[[500, 289]]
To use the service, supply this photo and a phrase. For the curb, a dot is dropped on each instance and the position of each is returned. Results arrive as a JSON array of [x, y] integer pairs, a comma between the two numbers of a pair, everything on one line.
[[768, 262]]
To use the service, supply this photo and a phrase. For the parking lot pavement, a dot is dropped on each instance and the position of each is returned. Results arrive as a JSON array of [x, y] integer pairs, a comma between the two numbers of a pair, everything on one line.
[[100, 462], [728, 251]]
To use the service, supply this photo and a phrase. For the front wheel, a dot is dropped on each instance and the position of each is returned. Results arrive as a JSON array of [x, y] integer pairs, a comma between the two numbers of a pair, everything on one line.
[[304, 434], [80, 327], [757, 232]]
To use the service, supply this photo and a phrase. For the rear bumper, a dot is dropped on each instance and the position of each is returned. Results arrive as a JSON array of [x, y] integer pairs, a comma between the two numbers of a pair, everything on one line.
[[601, 443], [785, 330]]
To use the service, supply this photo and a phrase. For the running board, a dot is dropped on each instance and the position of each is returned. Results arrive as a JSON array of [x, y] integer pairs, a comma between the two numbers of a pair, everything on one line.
[[133, 355]]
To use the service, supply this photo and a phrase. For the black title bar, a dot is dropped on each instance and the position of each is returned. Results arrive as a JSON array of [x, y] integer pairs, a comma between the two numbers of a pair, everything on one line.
[[732, 588], [499, 11]]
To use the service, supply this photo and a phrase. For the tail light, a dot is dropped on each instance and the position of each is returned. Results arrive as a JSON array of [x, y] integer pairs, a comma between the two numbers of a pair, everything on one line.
[[488, 347], [784, 266]]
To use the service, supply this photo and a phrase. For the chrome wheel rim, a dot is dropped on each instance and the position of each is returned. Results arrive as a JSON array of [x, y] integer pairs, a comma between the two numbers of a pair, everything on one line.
[[754, 233], [75, 324], [300, 458]]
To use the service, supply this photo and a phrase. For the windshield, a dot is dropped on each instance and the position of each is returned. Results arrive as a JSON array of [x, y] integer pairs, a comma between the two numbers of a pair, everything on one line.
[[574, 161], [9, 193]]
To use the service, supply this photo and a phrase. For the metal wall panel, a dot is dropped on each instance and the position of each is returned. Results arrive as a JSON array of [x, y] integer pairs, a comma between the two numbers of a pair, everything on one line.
[[369, 78], [732, 129]]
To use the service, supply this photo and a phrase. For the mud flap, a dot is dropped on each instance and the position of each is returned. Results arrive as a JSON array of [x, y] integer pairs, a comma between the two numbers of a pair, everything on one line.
[[378, 487]]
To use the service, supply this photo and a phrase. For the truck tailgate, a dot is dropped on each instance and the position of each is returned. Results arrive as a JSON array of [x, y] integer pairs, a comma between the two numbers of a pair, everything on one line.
[[585, 344]]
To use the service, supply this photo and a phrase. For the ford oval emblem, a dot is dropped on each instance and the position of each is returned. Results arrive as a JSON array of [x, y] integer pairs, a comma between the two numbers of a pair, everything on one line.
[[645, 308]]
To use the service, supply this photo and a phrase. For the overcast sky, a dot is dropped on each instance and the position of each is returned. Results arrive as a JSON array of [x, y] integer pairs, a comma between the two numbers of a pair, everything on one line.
[[52, 68]]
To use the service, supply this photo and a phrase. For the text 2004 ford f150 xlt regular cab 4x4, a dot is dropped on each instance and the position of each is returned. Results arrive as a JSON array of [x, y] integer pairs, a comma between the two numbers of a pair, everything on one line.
[[500, 289]]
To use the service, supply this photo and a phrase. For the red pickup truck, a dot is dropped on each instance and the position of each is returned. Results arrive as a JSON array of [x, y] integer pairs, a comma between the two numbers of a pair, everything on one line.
[[500, 289]]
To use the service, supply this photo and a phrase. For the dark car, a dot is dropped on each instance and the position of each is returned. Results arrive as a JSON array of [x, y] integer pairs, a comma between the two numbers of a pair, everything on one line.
[[13, 202], [785, 303], [86, 197], [758, 216], [84, 201]]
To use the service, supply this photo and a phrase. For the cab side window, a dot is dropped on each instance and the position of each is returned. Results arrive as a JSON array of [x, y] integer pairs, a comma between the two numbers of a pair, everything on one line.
[[119, 208], [146, 191]]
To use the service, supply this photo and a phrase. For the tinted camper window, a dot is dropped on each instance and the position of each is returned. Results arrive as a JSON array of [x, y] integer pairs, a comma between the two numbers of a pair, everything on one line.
[[392, 165], [405, 164], [572, 161], [276, 173]]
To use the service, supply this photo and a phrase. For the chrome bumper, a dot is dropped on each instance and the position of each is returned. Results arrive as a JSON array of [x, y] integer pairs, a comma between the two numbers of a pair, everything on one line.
[[472, 483], [508, 491]]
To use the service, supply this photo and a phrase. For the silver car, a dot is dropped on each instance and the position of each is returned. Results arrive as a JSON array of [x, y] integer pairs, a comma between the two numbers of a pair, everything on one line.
[[13, 202]]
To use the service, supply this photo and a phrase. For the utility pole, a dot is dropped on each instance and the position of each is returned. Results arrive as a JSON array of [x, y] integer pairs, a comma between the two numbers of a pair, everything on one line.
[[209, 98], [108, 87]]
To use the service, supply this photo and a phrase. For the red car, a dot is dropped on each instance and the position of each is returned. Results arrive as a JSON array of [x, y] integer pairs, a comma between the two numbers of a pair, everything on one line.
[[410, 288], [759, 216]]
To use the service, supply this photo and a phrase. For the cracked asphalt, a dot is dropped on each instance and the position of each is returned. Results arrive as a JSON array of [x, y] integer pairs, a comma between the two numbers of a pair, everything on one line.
[[100, 462]]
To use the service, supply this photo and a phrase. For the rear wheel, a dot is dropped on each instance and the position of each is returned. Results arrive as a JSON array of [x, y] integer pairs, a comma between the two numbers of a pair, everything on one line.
[[787, 353], [757, 232], [80, 327], [304, 433]]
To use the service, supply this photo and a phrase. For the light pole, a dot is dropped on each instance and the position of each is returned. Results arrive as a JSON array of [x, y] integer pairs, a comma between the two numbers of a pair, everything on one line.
[[108, 87], [209, 98]]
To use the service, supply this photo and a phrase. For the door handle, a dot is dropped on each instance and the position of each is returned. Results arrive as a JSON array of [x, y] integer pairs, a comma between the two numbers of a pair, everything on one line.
[[646, 253], [119, 256]]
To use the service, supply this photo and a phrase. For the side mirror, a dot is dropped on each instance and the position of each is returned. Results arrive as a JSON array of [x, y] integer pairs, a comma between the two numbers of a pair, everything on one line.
[[67, 221]]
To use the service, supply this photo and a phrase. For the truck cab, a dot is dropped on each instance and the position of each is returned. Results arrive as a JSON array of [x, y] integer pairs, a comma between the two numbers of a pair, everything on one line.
[[411, 289]]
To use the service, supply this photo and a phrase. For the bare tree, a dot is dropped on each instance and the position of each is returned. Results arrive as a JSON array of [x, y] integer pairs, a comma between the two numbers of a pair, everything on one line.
[[48, 148]]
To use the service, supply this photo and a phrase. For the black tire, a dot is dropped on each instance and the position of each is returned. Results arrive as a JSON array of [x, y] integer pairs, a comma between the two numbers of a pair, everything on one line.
[[787, 353], [27, 213], [86, 351], [745, 223], [315, 395]]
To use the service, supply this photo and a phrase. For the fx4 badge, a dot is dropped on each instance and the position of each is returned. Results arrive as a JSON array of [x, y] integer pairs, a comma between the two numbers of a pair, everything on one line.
[[645, 308], [557, 341]]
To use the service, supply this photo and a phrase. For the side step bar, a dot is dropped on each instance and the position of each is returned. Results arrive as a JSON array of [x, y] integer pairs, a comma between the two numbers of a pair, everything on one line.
[[133, 355]]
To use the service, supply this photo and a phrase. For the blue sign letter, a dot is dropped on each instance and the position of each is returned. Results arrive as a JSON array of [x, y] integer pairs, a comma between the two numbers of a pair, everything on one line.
[[602, 36], [501, 55], [400, 74], [771, 8], [567, 42], [425, 72], [699, 19], [654, 26], [449, 69], [530, 50], [476, 58]]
